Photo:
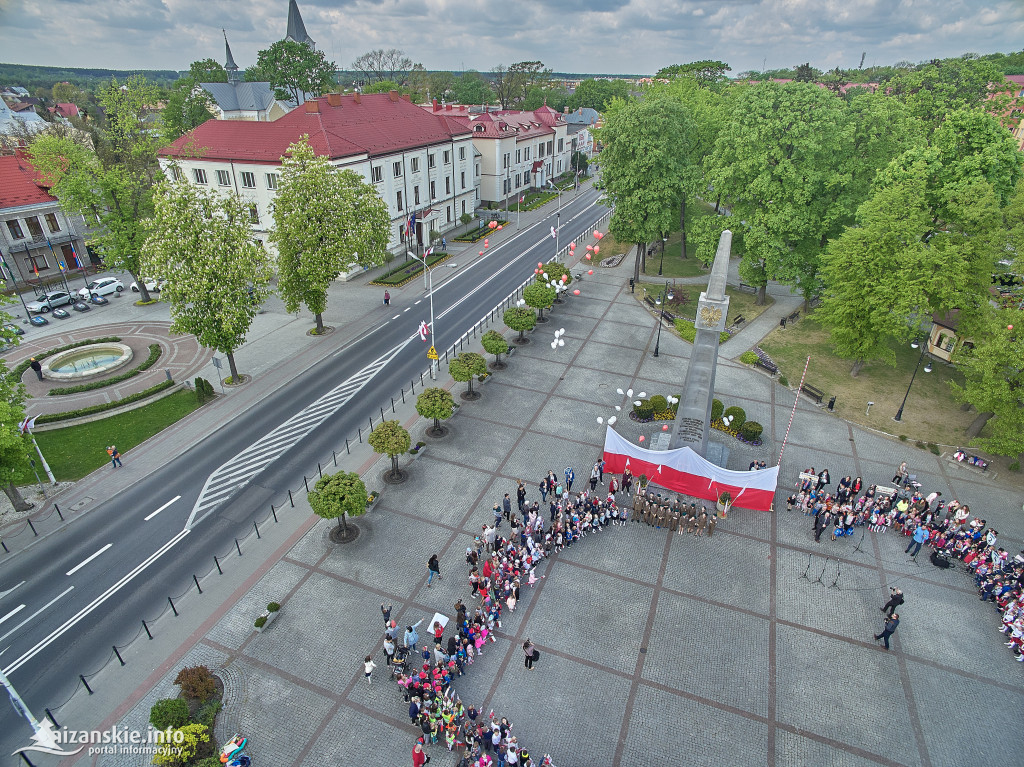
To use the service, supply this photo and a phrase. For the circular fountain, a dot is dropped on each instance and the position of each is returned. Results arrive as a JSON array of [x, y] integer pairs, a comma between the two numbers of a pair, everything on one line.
[[86, 361]]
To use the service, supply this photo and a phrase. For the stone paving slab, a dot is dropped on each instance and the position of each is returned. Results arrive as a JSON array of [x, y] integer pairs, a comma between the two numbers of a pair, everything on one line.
[[724, 568]]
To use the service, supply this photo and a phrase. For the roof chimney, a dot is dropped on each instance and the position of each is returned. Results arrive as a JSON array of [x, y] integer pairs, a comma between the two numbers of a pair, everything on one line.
[[436, 109], [407, 97], [313, 106], [393, 95], [334, 99], [356, 98], [447, 107], [565, 110]]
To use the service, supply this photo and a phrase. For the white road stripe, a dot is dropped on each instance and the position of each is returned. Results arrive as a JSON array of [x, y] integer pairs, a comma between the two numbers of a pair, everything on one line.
[[30, 654], [5, 593], [418, 302], [38, 612], [84, 562], [146, 519], [396, 316], [12, 613], [406, 309]]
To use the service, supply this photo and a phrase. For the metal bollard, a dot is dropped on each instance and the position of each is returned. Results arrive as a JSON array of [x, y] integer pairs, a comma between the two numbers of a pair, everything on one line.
[[200, 588], [256, 527], [319, 470], [392, 404], [403, 398], [305, 482], [119, 658], [217, 563], [49, 715], [148, 632], [334, 455], [238, 547], [29, 520], [273, 511], [88, 689], [290, 500], [57, 509], [347, 450], [173, 608]]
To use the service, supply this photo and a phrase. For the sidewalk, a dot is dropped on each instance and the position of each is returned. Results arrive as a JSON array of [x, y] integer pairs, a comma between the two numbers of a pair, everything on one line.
[[617, 612]]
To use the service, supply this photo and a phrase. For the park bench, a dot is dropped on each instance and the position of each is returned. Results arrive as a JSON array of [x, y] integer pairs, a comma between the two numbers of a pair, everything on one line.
[[794, 316], [744, 288], [768, 365], [649, 300], [887, 491], [667, 315], [739, 321], [813, 392], [964, 458]]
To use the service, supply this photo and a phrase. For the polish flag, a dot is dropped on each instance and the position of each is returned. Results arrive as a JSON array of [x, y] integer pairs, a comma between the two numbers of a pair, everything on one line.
[[424, 330]]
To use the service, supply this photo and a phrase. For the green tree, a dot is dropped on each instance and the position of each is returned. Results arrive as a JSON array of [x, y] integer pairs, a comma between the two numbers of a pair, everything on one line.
[[188, 107], [495, 343], [112, 186], [295, 70], [384, 64], [538, 96], [169, 712], [805, 73], [217, 275], [464, 366], [324, 220], [540, 297], [340, 496], [705, 72], [554, 270], [645, 160], [597, 94], [383, 86], [519, 319], [392, 440], [207, 71], [579, 162], [472, 88], [994, 379], [435, 403], [13, 444], [937, 88]]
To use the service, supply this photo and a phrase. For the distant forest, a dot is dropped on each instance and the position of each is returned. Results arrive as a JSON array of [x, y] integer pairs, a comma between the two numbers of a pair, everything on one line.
[[38, 77]]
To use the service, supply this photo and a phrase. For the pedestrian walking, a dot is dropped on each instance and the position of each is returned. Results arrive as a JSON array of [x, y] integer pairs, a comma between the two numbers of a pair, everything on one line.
[[901, 472], [444, 243], [530, 652], [712, 521], [600, 469], [521, 497], [387, 298], [434, 568], [895, 600], [890, 627], [595, 473], [36, 368], [496, 510], [368, 667], [506, 507], [115, 456], [419, 756], [386, 612], [570, 477]]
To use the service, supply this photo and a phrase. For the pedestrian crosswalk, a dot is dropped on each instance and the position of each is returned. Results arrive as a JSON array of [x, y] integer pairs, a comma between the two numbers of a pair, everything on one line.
[[240, 470]]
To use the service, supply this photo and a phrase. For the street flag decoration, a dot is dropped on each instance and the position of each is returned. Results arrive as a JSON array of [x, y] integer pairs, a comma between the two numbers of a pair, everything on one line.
[[424, 331], [428, 252], [554, 233], [410, 225], [27, 424], [74, 255], [683, 471]]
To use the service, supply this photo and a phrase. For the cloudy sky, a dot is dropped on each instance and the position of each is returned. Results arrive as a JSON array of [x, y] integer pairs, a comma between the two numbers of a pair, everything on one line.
[[614, 36]]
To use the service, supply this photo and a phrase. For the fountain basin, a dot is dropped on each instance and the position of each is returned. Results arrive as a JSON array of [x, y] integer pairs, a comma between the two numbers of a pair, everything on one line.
[[86, 362]]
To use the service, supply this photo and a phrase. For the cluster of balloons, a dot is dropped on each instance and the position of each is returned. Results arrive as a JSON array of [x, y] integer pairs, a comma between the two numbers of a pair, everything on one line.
[[558, 338]]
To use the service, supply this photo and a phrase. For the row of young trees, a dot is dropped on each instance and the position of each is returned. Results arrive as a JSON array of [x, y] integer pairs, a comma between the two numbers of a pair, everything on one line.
[[889, 206]]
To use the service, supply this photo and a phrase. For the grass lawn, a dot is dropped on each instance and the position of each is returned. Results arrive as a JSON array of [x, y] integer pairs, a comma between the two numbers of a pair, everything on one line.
[[674, 264], [684, 302], [931, 413], [75, 451]]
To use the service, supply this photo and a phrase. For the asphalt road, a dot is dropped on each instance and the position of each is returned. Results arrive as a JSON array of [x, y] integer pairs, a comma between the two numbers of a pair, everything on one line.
[[68, 599]]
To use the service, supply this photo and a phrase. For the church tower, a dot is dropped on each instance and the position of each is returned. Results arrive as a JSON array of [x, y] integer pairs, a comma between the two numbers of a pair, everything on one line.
[[229, 63], [296, 32]]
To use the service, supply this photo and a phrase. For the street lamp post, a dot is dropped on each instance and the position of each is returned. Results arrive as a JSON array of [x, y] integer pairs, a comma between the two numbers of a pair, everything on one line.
[[664, 242], [430, 289], [927, 369], [666, 295]]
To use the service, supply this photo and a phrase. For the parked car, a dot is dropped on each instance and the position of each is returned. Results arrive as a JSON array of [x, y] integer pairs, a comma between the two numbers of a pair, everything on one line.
[[98, 300], [47, 301], [101, 287], [152, 284]]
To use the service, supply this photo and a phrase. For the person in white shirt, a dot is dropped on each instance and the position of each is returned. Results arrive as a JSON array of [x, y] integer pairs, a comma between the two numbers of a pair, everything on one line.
[[368, 667]]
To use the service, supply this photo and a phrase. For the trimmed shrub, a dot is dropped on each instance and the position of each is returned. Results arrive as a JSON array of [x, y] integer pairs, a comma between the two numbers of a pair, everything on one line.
[[1015, 466], [24, 365], [644, 410], [260, 622], [273, 607], [196, 682], [658, 403], [783, 380], [169, 712], [748, 358], [103, 406], [207, 715], [686, 330], [751, 430], [920, 445], [739, 415], [716, 409], [934, 448]]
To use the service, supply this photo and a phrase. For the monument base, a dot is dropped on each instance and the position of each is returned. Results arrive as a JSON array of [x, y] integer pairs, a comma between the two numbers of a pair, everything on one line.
[[718, 454]]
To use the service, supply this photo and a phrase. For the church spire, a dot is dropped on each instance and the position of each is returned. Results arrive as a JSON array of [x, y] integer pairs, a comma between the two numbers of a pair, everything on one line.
[[296, 31], [229, 63]]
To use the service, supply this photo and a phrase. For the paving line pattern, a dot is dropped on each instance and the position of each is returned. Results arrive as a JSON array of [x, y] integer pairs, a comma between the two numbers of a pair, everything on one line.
[[240, 470]]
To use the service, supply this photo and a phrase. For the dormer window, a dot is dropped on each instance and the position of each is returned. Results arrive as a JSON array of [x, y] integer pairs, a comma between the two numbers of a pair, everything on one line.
[[479, 128]]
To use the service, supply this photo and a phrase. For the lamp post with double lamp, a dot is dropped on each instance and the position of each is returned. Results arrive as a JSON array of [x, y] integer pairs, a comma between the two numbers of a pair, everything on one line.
[[664, 243], [430, 289], [927, 369], [666, 295]]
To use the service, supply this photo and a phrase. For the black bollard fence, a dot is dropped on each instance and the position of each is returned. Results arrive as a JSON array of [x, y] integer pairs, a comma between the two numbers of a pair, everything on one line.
[[119, 658], [148, 632], [198, 587]]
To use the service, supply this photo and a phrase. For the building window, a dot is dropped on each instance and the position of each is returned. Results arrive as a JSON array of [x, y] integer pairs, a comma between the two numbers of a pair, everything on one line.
[[519, 156], [448, 210], [52, 223], [561, 142], [478, 170], [248, 179], [447, 186], [414, 164], [416, 195], [376, 174], [15, 229], [399, 198], [540, 150], [254, 214], [223, 178], [272, 179], [199, 175], [36, 263], [176, 173], [33, 227], [463, 207], [526, 154], [551, 146], [433, 190], [447, 157], [463, 174], [559, 166], [398, 169], [430, 161], [462, 153], [504, 160]]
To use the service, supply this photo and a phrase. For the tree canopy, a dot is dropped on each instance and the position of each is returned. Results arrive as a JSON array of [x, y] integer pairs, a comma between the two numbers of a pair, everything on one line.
[[437, 404], [13, 444], [705, 72], [383, 64], [338, 496], [597, 94], [390, 439], [294, 70]]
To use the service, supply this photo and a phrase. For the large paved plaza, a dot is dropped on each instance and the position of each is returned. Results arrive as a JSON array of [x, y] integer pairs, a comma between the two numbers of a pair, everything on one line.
[[656, 649]]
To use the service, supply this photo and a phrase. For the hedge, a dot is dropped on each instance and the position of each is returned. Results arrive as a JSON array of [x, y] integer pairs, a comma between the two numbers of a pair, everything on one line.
[[154, 355], [688, 332], [475, 235], [751, 430], [739, 415], [93, 409], [749, 358], [24, 365], [717, 407], [400, 275]]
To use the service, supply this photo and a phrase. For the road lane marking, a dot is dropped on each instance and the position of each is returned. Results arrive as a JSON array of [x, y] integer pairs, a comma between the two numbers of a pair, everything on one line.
[[30, 654], [406, 309], [146, 519], [84, 562], [396, 316], [5, 593], [38, 612], [418, 302], [12, 613]]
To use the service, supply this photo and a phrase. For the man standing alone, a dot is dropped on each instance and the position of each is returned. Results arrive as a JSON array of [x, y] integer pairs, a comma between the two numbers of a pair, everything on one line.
[[920, 536], [890, 627]]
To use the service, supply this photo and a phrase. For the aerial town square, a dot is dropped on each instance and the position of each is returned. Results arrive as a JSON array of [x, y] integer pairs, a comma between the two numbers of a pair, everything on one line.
[[548, 386]]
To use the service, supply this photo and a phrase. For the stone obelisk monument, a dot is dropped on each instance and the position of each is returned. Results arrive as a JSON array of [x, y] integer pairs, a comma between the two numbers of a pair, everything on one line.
[[693, 417]]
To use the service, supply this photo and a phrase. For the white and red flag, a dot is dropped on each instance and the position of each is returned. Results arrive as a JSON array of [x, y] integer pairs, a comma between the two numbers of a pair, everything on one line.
[[424, 331]]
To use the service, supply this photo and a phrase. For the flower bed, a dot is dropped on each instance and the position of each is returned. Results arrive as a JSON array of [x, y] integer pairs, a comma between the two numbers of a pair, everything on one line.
[[408, 271], [475, 235]]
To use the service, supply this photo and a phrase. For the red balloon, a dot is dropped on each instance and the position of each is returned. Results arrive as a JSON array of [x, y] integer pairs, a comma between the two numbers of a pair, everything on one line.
[[572, 246], [597, 235], [486, 241], [597, 248], [665, 427], [588, 257], [1009, 327], [481, 252], [499, 227], [565, 277], [540, 264], [590, 247], [590, 271], [492, 224], [576, 292], [641, 438]]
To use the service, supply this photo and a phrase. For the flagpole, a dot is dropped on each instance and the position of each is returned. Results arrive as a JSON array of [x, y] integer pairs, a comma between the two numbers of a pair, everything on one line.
[[791, 415], [14, 282], [46, 466], [59, 266]]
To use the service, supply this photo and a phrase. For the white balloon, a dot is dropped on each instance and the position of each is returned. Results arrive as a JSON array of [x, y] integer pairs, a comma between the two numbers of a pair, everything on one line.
[[561, 331], [612, 420], [554, 344], [619, 391], [629, 392], [561, 342], [637, 403], [545, 275], [600, 420], [618, 408], [642, 394]]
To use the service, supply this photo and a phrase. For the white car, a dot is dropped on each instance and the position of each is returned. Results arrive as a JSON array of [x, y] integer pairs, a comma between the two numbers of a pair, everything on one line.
[[47, 301], [152, 284], [102, 287]]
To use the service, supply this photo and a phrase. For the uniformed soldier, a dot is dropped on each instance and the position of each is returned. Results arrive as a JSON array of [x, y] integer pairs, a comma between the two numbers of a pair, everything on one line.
[[638, 504], [702, 522], [691, 523], [712, 521]]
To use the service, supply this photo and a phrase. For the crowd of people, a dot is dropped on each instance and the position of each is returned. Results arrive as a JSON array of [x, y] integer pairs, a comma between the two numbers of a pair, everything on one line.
[[948, 530]]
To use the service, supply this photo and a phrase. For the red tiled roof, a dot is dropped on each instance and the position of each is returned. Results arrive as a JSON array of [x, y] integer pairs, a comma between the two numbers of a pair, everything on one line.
[[65, 109], [17, 183], [499, 124], [1016, 79], [375, 125]]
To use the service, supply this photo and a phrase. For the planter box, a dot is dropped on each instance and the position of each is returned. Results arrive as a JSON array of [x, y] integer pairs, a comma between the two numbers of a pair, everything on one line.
[[271, 617]]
